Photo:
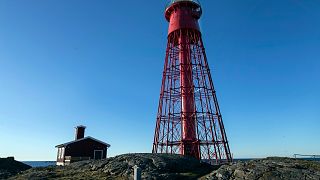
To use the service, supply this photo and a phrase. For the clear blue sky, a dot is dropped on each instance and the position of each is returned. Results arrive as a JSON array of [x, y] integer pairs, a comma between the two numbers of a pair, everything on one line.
[[99, 63]]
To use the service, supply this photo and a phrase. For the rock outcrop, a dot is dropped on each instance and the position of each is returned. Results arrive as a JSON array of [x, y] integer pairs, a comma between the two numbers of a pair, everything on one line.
[[270, 168], [154, 166], [10, 167]]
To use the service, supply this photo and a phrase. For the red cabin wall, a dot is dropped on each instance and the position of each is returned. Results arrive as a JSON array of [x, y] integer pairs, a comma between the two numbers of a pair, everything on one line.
[[85, 148]]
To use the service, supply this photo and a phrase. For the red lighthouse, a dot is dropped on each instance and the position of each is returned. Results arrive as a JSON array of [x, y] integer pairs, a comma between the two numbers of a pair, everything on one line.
[[189, 121]]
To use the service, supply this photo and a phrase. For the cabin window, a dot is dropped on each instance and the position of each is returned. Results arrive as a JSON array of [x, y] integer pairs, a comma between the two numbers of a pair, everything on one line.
[[59, 153], [62, 152]]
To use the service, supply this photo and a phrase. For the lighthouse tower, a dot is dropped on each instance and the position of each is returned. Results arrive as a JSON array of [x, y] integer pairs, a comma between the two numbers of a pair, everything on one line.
[[189, 121]]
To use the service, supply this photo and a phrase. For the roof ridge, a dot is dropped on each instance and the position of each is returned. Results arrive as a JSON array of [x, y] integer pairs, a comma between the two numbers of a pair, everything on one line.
[[88, 137]]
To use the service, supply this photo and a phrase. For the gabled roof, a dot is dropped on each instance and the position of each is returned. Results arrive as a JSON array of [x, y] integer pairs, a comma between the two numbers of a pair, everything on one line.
[[88, 137]]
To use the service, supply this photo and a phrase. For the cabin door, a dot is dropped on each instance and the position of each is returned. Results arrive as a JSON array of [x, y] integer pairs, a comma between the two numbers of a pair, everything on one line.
[[98, 154]]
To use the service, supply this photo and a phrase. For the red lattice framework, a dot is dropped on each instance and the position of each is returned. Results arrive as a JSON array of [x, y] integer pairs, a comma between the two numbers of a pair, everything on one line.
[[203, 136]]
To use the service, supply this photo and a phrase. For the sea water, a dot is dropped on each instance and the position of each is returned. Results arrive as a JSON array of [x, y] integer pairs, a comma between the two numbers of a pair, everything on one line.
[[40, 163]]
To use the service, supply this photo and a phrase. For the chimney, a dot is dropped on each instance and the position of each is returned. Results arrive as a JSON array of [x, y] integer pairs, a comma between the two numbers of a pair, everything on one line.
[[80, 132]]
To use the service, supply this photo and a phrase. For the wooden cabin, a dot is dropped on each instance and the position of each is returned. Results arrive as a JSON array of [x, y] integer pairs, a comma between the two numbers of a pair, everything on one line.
[[82, 148]]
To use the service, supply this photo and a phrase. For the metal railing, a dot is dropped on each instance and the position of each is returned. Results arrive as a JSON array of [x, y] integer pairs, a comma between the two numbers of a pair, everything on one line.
[[174, 1], [304, 156]]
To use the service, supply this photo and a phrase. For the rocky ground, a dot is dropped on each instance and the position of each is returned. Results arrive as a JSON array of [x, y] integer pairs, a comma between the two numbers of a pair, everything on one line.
[[162, 166], [272, 168], [10, 167]]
